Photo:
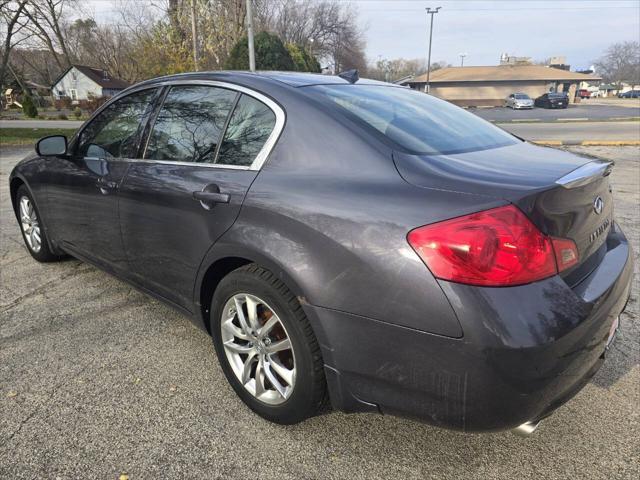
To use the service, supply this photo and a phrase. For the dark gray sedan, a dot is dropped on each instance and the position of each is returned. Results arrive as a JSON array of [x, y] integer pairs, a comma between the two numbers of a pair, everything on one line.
[[344, 242]]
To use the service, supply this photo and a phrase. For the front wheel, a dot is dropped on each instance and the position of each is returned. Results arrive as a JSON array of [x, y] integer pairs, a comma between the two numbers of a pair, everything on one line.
[[266, 346], [33, 234]]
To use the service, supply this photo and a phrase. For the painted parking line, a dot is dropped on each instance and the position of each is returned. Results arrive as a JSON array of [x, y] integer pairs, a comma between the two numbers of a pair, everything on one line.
[[590, 143]]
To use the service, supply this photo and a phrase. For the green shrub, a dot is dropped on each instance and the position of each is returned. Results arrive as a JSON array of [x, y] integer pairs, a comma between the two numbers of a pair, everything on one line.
[[28, 107], [271, 54], [62, 116], [303, 61], [77, 112]]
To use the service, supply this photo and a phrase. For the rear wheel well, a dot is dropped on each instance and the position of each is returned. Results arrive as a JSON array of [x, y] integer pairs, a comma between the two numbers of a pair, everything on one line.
[[216, 272]]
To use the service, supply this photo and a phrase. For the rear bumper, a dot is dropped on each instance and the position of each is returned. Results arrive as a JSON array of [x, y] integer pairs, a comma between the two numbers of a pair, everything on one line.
[[526, 350]]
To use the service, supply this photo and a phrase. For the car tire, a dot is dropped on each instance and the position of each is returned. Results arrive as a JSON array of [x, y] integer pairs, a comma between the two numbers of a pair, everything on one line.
[[30, 223], [299, 389]]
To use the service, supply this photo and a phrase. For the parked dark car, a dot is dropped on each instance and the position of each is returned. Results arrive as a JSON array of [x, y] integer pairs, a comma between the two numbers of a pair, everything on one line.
[[344, 241], [552, 100], [630, 94]]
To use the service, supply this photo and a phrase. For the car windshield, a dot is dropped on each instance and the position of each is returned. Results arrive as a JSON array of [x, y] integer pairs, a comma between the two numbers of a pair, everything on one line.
[[415, 121], [556, 95], [522, 96]]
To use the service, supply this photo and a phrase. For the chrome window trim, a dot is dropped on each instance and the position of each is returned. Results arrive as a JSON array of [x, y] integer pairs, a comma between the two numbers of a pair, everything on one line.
[[262, 155], [170, 162]]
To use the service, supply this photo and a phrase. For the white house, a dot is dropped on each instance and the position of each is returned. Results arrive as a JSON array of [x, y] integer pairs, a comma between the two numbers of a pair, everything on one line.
[[80, 82]]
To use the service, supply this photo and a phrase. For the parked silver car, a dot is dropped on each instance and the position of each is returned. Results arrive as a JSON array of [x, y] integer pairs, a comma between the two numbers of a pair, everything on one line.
[[518, 100]]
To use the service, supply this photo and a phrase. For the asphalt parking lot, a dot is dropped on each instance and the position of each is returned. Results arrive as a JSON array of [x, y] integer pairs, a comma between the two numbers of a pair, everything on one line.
[[98, 380], [587, 110]]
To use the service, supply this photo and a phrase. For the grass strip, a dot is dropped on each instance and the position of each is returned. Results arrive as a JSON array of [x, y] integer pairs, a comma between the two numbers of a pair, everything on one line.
[[29, 136]]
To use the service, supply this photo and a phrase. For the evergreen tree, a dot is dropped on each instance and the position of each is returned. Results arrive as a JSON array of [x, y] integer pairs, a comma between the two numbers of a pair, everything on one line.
[[28, 107], [303, 61], [271, 54]]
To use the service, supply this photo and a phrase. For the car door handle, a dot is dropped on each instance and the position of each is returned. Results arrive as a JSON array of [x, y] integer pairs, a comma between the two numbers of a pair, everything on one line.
[[211, 197]]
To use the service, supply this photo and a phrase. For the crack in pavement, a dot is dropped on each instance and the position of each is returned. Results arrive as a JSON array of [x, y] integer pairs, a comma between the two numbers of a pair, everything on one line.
[[77, 269]]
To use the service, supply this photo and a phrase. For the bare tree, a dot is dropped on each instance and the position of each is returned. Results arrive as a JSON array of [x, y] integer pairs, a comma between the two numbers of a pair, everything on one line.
[[10, 13], [327, 28], [37, 65], [620, 63], [45, 20]]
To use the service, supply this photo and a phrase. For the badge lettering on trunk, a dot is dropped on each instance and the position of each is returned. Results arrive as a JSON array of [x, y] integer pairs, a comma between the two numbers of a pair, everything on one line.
[[600, 230]]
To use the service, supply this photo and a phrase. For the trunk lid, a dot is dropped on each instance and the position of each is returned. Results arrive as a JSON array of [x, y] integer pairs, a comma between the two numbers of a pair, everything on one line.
[[565, 195]]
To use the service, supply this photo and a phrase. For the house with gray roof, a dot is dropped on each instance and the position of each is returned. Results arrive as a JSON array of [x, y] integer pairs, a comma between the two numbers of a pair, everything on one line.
[[80, 82]]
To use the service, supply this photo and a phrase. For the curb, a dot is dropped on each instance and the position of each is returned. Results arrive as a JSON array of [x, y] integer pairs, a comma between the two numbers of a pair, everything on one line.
[[590, 143]]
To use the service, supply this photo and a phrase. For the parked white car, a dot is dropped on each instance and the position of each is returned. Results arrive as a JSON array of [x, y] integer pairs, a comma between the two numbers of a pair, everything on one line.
[[518, 101]]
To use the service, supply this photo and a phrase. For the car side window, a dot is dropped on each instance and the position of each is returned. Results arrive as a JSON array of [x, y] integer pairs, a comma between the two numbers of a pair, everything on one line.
[[190, 124], [249, 127], [115, 132]]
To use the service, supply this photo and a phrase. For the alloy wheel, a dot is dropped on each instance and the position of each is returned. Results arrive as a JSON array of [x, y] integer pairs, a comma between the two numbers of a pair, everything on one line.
[[258, 348], [30, 225]]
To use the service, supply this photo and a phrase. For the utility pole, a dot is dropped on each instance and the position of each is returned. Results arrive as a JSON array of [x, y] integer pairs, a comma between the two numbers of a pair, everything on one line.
[[252, 54], [462, 55], [430, 12], [194, 34]]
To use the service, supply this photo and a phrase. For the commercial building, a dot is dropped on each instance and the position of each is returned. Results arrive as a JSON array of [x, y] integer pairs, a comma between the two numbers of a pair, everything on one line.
[[489, 86]]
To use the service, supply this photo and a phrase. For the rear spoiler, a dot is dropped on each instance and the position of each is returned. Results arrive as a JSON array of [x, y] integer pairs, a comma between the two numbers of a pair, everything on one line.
[[585, 174]]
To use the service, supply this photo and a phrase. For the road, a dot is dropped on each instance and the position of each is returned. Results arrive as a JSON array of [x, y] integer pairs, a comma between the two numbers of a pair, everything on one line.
[[97, 379], [588, 110], [577, 131]]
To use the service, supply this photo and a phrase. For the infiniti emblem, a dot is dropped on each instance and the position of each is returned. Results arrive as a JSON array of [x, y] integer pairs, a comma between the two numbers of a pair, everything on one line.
[[598, 205]]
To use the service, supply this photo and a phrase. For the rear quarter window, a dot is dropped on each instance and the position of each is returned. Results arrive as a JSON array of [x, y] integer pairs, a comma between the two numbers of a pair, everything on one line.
[[249, 127]]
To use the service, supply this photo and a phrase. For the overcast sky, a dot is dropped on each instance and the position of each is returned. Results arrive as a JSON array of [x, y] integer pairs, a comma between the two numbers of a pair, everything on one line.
[[578, 29]]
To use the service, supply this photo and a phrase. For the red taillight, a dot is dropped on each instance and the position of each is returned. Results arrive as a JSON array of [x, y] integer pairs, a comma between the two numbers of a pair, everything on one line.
[[496, 247]]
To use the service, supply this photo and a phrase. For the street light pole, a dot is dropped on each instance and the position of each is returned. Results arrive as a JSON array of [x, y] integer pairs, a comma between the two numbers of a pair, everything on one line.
[[252, 54], [430, 12]]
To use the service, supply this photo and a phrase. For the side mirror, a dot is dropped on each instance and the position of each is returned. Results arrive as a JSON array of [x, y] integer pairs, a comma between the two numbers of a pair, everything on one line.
[[52, 145]]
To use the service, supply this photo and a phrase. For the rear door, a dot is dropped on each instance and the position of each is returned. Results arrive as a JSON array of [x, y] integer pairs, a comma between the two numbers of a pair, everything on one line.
[[202, 154]]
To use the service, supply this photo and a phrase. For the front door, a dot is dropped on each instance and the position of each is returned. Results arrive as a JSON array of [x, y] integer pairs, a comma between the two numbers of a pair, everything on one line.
[[190, 186], [83, 189]]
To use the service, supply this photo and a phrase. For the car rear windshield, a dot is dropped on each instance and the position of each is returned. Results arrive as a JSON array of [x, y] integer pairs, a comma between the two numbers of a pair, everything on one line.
[[557, 95], [415, 121]]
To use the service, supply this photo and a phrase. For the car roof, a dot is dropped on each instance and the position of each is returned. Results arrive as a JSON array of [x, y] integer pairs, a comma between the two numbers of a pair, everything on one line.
[[302, 79], [294, 79]]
